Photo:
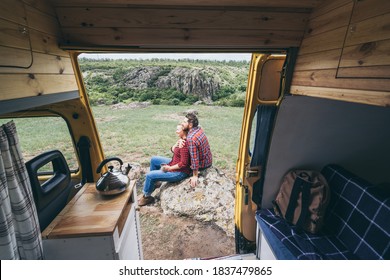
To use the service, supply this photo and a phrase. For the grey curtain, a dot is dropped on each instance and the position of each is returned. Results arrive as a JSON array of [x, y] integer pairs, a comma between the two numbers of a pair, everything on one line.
[[20, 236]]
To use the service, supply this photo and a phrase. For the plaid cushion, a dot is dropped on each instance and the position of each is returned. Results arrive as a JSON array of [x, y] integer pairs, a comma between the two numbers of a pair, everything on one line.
[[358, 214], [356, 224], [303, 245]]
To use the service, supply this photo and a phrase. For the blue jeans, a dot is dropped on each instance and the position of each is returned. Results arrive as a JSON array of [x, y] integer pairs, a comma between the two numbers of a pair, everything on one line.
[[155, 174]]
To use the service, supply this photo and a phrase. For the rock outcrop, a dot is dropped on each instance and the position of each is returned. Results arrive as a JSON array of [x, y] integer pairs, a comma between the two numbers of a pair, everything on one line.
[[202, 82], [190, 81], [211, 201]]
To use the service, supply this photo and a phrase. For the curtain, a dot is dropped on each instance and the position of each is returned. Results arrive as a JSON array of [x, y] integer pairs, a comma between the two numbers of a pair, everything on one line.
[[20, 235], [265, 120]]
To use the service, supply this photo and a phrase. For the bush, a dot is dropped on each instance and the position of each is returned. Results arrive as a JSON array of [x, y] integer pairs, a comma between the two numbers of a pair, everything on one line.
[[191, 99], [156, 101], [146, 96], [236, 103]]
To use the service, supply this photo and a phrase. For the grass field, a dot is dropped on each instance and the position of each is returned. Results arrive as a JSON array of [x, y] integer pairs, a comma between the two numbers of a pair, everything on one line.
[[137, 134]]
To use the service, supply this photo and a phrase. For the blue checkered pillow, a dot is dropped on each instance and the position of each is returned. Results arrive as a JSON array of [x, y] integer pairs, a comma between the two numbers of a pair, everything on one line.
[[358, 214]]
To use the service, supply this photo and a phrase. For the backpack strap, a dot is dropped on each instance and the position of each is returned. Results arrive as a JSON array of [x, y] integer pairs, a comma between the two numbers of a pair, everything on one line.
[[305, 203], [300, 185], [296, 190]]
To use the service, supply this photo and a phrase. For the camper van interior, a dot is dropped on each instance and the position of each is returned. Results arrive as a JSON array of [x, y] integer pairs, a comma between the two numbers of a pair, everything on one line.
[[318, 98]]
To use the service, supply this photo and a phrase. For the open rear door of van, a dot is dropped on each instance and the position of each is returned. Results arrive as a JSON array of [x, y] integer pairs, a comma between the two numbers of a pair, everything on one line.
[[265, 83]]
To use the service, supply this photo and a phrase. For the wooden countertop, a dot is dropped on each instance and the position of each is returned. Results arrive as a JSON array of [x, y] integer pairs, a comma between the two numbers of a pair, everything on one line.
[[91, 214]]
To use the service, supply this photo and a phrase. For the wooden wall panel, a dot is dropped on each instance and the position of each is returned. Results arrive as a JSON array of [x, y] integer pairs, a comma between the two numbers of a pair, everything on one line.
[[41, 5], [318, 60], [46, 43], [343, 60], [25, 85], [325, 41], [379, 98], [365, 9], [369, 30], [42, 22], [367, 41], [327, 77], [382, 71], [367, 54], [13, 10], [327, 6], [12, 59], [334, 19], [31, 62], [42, 63], [14, 35]]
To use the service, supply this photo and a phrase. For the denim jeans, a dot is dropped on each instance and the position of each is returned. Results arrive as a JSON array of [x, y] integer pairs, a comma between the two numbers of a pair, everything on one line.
[[155, 174]]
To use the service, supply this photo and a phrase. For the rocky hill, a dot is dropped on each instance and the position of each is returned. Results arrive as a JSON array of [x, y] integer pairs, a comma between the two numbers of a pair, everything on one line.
[[203, 83], [165, 82]]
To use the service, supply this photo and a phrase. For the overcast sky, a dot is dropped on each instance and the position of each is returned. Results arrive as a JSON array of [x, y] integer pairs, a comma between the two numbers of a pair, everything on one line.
[[203, 56]]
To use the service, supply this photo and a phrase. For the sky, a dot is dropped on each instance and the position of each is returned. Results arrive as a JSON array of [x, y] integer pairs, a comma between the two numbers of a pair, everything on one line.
[[201, 56]]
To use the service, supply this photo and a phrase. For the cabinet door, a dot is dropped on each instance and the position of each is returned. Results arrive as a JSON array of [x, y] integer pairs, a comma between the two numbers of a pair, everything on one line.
[[130, 241]]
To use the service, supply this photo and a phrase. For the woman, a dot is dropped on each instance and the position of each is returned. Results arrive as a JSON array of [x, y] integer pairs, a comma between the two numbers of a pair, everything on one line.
[[164, 169]]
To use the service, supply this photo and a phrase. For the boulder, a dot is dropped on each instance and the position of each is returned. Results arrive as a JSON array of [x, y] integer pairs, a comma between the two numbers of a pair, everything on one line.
[[211, 201]]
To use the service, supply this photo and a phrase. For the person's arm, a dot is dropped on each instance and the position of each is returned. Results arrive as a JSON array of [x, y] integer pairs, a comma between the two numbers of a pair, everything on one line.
[[194, 153], [184, 160], [194, 178], [167, 168]]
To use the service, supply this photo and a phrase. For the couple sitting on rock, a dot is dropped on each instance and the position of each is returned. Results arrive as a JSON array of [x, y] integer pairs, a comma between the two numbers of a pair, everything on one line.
[[191, 153]]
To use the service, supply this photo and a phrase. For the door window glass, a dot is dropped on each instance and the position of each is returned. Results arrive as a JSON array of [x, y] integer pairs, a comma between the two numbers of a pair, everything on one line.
[[252, 136], [38, 135]]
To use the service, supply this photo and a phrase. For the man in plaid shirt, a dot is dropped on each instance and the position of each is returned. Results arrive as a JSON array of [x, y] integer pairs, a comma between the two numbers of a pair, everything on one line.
[[198, 146]]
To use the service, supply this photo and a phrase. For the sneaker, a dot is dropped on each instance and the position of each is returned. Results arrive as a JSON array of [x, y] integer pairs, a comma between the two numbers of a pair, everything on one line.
[[157, 184], [145, 200]]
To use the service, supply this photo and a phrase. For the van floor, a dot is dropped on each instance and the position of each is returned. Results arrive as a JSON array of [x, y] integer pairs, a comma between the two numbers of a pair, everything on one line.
[[167, 237]]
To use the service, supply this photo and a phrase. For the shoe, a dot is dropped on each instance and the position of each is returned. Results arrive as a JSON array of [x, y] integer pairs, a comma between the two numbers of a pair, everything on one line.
[[145, 200], [157, 184]]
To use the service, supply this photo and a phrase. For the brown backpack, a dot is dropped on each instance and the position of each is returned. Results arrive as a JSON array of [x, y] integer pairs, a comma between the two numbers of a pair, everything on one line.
[[302, 199]]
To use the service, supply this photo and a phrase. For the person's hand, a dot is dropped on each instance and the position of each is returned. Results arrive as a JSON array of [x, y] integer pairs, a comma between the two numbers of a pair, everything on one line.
[[164, 167], [177, 143], [181, 142], [194, 181]]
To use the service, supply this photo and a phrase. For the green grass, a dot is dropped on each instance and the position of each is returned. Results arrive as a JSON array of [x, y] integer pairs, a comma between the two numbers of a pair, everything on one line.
[[38, 135], [135, 135]]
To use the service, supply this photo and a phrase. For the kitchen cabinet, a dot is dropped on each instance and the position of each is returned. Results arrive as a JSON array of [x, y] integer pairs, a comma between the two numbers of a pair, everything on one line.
[[93, 226]]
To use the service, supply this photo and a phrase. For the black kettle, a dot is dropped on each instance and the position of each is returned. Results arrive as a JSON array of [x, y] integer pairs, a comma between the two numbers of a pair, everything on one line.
[[114, 181]]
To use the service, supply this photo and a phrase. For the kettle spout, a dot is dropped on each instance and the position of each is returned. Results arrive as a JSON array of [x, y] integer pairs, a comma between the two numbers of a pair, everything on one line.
[[127, 169]]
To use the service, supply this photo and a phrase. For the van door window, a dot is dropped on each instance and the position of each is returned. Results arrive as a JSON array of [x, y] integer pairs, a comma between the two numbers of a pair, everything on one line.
[[252, 134], [38, 135]]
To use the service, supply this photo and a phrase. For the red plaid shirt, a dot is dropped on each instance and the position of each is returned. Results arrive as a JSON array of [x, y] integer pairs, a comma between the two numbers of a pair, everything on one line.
[[199, 148], [181, 156]]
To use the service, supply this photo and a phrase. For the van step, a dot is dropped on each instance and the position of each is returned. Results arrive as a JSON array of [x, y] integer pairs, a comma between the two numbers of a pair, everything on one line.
[[249, 256]]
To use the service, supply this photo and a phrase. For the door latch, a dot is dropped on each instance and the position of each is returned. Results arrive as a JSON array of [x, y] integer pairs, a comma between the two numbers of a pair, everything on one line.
[[246, 192], [251, 173]]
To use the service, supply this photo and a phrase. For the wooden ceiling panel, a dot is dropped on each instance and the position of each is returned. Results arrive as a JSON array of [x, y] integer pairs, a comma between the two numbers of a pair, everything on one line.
[[207, 3], [180, 38], [179, 18], [226, 24]]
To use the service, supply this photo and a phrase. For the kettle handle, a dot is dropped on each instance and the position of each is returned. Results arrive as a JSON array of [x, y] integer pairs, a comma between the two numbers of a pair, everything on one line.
[[99, 168]]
